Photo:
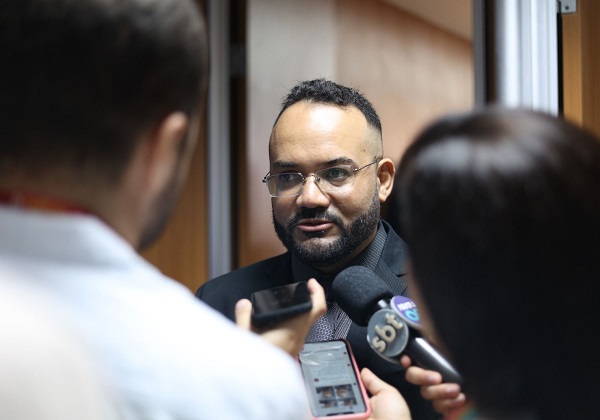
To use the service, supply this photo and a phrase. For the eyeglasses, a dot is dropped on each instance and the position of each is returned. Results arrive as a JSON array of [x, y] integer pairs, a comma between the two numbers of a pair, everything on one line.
[[337, 179]]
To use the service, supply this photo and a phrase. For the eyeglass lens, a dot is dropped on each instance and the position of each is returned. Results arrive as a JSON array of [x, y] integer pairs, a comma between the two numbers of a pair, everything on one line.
[[336, 179]]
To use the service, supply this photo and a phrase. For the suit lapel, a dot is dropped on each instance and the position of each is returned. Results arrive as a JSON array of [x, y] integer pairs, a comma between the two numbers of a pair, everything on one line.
[[280, 273], [391, 266]]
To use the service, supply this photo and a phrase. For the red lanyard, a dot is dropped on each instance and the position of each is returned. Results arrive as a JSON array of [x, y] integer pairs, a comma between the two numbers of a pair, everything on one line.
[[37, 201]]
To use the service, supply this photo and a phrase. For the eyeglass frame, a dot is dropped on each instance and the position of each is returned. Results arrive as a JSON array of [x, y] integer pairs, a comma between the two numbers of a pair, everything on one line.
[[266, 178]]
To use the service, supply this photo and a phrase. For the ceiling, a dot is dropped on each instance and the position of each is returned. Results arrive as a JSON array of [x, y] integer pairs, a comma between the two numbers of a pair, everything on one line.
[[451, 15]]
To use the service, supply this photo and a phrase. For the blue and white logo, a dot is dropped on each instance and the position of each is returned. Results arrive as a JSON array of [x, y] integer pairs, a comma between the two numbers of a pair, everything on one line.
[[407, 309]]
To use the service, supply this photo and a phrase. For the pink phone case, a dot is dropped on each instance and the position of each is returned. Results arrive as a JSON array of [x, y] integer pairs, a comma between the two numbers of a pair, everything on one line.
[[337, 392]]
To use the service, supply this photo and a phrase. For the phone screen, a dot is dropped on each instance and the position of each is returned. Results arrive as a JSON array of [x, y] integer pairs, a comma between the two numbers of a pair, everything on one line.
[[273, 305], [332, 381]]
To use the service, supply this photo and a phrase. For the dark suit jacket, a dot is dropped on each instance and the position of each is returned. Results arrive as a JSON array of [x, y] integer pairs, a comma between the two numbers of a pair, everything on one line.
[[223, 292]]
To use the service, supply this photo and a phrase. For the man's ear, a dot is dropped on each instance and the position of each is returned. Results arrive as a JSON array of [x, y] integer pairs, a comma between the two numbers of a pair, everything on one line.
[[165, 146], [385, 175]]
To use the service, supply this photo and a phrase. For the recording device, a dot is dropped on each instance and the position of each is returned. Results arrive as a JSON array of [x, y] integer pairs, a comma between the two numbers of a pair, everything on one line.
[[393, 322], [333, 383], [271, 306]]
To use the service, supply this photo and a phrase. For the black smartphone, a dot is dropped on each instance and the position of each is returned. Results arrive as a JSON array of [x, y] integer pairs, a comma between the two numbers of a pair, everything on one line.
[[271, 306], [332, 379]]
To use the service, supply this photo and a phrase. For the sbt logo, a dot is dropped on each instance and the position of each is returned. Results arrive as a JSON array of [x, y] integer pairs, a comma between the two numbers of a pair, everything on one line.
[[387, 333]]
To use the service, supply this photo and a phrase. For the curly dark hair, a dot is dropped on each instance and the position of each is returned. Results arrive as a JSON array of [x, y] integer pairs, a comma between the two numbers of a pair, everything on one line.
[[328, 92]]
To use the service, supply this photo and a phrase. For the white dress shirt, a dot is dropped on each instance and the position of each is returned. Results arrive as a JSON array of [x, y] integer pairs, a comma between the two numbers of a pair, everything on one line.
[[168, 355]]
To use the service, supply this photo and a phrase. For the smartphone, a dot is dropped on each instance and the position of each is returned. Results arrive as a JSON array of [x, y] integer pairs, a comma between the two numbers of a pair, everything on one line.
[[277, 304], [333, 384]]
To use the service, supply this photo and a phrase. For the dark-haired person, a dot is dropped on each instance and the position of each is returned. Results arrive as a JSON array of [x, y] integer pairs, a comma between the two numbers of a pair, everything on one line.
[[99, 113], [327, 178], [501, 212]]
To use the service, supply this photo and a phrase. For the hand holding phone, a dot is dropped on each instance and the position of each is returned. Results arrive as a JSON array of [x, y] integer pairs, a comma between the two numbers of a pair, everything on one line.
[[277, 304], [333, 382], [288, 334]]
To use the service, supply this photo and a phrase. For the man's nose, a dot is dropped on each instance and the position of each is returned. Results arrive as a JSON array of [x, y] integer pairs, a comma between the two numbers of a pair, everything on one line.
[[312, 195]]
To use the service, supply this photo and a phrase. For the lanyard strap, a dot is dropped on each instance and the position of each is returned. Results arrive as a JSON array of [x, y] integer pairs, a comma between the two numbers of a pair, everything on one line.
[[29, 200]]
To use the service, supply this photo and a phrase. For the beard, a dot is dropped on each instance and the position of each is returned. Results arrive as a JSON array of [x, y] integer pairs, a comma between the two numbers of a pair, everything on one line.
[[351, 237]]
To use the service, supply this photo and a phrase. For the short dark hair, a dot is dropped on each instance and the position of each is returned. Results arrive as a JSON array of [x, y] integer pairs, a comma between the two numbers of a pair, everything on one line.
[[501, 212], [82, 79], [328, 92]]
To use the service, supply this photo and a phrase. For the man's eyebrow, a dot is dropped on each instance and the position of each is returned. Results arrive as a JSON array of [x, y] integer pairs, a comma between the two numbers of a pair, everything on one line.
[[282, 164], [340, 161]]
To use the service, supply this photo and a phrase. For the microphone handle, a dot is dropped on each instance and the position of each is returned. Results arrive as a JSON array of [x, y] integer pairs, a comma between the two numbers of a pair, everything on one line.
[[426, 356]]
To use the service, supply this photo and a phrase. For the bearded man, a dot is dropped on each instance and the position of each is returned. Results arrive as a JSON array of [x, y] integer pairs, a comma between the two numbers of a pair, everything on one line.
[[327, 180]]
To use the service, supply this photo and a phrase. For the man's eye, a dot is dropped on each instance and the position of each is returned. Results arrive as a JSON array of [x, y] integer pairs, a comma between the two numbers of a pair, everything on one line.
[[288, 178], [336, 174]]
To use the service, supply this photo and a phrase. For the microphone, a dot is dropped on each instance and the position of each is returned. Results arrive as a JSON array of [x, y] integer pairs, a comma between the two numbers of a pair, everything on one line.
[[393, 322]]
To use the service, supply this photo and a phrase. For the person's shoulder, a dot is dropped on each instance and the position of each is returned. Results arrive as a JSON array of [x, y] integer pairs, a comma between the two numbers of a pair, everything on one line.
[[224, 291], [395, 251], [209, 365], [392, 234], [266, 265], [257, 379], [248, 277]]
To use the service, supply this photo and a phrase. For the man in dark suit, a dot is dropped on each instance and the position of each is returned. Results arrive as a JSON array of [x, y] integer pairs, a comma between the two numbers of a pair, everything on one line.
[[327, 180]]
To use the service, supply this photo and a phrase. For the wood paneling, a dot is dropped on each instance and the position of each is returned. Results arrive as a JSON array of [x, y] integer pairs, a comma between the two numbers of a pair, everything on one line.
[[590, 63], [581, 65], [410, 70], [571, 67]]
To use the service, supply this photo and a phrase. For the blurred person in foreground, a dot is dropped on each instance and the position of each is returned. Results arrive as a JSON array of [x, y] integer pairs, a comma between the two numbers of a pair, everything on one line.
[[46, 371], [501, 212], [99, 114]]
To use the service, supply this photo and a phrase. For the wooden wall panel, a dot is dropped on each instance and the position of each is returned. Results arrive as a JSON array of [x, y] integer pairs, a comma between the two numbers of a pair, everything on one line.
[[581, 65], [590, 63], [410, 70], [571, 68]]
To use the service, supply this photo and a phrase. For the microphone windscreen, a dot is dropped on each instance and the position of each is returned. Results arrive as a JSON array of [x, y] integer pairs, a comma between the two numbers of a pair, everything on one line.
[[357, 290]]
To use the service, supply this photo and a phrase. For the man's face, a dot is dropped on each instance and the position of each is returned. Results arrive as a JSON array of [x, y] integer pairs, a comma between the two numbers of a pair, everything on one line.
[[326, 229]]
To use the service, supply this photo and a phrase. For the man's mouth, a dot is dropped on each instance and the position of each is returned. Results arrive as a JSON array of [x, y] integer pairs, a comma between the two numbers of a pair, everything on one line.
[[313, 225]]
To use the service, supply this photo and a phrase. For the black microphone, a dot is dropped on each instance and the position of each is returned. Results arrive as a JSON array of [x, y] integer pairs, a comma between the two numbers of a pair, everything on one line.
[[393, 323]]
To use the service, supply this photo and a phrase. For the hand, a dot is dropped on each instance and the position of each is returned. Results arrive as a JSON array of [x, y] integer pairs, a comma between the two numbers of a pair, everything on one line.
[[290, 334], [444, 397], [386, 401]]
